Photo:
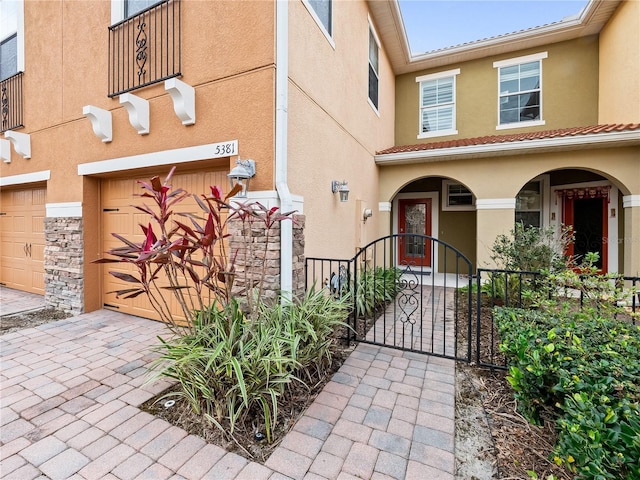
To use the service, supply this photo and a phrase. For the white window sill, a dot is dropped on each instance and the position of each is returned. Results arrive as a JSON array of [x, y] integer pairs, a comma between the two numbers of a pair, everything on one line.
[[437, 133], [509, 126], [377, 112]]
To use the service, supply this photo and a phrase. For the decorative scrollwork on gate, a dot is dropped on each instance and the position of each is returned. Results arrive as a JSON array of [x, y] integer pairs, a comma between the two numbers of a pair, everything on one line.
[[408, 294]]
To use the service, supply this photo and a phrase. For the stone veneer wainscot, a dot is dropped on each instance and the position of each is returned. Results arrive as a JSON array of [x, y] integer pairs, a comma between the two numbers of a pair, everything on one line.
[[63, 264]]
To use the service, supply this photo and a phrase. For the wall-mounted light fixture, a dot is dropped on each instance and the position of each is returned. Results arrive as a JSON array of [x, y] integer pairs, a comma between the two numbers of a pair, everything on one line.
[[241, 174], [367, 213], [341, 188]]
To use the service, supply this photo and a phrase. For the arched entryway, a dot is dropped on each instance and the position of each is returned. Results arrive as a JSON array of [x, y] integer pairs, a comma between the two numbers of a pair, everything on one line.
[[441, 207], [584, 201]]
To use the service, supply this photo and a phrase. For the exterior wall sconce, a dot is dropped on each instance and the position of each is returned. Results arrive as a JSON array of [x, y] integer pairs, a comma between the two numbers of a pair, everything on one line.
[[240, 175], [367, 213], [341, 188]]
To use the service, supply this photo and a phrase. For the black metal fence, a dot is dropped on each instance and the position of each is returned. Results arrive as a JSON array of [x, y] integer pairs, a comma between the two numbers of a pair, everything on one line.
[[398, 300], [145, 49], [512, 288], [11, 102]]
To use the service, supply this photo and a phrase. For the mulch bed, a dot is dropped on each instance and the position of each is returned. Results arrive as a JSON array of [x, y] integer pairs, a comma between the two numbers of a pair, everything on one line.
[[520, 447], [247, 440]]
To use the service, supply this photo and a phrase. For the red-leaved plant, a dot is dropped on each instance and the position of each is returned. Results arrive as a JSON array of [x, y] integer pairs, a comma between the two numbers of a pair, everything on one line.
[[189, 257]]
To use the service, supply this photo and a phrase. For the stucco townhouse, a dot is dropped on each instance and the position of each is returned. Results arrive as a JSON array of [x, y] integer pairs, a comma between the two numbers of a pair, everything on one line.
[[541, 126]]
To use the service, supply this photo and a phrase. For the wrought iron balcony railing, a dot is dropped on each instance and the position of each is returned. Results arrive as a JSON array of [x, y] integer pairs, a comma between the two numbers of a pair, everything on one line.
[[11, 103], [145, 49]]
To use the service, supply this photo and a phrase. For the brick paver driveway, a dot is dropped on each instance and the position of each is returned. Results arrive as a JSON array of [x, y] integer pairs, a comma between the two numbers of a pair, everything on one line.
[[70, 393]]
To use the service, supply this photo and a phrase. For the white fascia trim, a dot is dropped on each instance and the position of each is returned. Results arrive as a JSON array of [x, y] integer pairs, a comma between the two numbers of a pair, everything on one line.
[[630, 201], [435, 76], [384, 206], [165, 157], [495, 203], [66, 209], [518, 60], [41, 176], [518, 147]]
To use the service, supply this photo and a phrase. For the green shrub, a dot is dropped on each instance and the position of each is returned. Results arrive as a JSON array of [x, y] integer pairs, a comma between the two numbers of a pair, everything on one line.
[[531, 249], [231, 369], [588, 368], [375, 288]]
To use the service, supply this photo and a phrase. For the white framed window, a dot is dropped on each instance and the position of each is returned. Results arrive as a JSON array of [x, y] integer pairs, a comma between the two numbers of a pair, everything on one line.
[[520, 91], [322, 13], [529, 202], [121, 9], [11, 37], [374, 67], [438, 104], [455, 196]]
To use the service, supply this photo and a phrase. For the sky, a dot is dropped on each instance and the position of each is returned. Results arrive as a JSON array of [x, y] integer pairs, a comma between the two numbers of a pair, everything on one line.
[[434, 24]]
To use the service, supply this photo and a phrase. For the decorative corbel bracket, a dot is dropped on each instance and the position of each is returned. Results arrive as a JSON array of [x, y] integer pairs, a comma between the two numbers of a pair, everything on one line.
[[138, 109], [21, 142], [100, 121], [5, 151], [184, 100]]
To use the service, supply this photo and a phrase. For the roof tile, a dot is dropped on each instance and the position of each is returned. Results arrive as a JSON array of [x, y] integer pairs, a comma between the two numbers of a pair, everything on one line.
[[514, 137]]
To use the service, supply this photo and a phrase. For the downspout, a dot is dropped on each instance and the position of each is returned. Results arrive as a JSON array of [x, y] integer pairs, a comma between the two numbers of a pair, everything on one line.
[[282, 100]]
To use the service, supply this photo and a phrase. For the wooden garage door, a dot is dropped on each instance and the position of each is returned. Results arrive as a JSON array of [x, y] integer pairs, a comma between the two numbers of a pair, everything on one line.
[[120, 217], [22, 215]]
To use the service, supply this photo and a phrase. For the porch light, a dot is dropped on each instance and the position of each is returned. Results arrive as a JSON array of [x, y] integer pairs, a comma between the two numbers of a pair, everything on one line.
[[341, 188], [241, 174]]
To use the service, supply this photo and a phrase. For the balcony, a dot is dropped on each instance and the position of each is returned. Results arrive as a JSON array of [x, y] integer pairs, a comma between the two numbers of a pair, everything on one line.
[[11, 102], [145, 49]]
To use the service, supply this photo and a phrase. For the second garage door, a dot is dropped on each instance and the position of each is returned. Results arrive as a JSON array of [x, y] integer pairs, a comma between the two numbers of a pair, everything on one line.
[[120, 217], [22, 215]]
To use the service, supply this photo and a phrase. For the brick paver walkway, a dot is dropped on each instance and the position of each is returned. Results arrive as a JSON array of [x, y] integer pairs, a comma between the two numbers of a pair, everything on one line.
[[13, 301], [70, 393]]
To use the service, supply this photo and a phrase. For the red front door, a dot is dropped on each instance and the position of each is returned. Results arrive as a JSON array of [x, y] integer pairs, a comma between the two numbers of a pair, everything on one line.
[[588, 219], [414, 216]]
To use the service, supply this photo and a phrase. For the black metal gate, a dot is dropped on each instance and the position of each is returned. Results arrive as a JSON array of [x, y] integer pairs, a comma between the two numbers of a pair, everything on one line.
[[407, 293]]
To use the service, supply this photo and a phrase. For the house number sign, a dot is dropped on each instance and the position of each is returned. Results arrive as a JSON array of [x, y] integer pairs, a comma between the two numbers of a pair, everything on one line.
[[224, 149]]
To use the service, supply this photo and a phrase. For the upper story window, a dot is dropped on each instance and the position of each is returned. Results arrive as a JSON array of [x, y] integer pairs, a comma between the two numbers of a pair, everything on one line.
[[144, 48], [438, 104], [322, 11], [374, 51], [131, 7], [11, 60], [11, 63], [520, 91]]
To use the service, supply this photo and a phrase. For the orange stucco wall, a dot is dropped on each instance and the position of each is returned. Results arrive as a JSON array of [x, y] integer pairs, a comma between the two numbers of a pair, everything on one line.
[[333, 130], [66, 52]]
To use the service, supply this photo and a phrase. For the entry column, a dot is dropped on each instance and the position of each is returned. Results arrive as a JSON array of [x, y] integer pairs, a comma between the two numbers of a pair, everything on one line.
[[494, 216], [631, 242]]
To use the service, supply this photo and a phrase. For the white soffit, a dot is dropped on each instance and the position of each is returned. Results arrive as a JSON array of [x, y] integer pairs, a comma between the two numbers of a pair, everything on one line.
[[388, 19]]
